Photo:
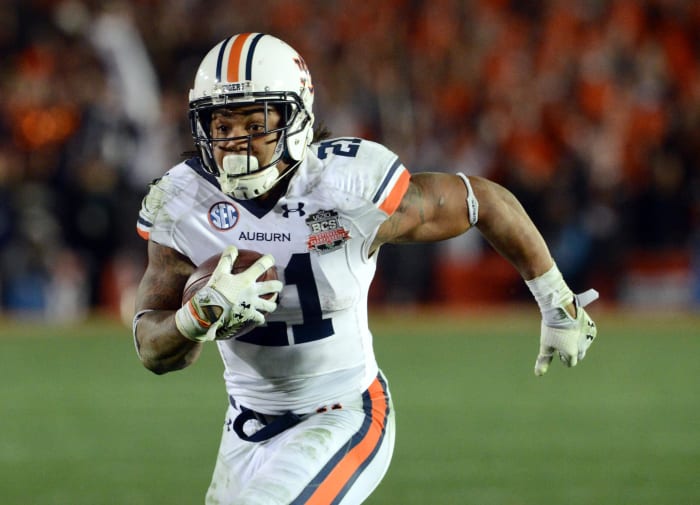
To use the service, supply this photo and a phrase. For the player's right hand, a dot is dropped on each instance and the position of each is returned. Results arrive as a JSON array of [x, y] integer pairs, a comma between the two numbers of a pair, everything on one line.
[[228, 301], [569, 337]]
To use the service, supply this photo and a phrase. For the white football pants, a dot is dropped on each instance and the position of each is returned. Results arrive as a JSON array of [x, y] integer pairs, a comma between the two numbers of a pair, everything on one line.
[[338, 456]]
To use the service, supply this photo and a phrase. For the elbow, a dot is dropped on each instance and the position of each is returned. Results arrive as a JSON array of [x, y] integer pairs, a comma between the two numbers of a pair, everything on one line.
[[161, 365], [156, 368], [150, 359], [161, 359], [163, 354]]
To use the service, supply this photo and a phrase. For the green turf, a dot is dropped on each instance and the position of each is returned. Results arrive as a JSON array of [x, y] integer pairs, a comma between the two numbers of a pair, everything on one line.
[[83, 423]]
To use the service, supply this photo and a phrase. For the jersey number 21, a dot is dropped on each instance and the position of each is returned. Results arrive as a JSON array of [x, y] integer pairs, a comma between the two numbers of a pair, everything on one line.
[[314, 327]]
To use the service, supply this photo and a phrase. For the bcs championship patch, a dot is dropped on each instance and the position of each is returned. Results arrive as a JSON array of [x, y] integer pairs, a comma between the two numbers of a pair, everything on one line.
[[326, 233]]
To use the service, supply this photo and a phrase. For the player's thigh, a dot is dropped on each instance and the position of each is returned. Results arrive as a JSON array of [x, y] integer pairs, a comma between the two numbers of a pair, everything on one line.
[[339, 456], [368, 480]]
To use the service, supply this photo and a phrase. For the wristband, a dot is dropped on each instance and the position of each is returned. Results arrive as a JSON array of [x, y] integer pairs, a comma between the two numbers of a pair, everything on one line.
[[552, 294], [190, 324]]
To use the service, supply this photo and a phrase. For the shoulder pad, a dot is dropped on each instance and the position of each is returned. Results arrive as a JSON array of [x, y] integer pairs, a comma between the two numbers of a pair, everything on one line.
[[366, 169], [151, 205], [160, 191]]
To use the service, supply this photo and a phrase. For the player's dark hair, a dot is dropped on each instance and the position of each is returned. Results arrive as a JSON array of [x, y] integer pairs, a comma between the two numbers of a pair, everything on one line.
[[321, 132]]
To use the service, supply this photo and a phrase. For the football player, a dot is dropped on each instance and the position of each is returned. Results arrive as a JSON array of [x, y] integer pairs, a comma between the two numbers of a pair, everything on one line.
[[310, 417]]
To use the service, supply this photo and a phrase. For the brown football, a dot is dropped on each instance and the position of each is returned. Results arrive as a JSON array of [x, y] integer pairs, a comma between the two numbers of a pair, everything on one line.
[[203, 272]]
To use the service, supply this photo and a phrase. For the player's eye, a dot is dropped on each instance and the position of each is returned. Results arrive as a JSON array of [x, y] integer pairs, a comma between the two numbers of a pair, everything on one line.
[[256, 128], [220, 129]]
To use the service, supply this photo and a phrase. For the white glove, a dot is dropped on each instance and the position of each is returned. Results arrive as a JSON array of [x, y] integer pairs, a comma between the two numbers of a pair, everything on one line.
[[570, 337], [228, 301]]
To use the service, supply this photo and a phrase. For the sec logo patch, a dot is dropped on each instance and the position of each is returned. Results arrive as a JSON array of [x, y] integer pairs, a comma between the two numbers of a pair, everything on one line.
[[223, 215]]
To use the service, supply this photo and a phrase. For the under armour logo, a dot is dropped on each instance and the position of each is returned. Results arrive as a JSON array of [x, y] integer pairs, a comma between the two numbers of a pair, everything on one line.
[[287, 210], [591, 325]]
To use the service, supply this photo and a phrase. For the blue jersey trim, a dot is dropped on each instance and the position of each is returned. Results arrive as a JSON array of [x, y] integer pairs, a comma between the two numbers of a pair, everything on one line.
[[386, 180]]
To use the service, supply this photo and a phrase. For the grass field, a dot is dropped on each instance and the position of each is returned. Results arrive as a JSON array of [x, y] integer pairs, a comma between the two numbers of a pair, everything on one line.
[[83, 423]]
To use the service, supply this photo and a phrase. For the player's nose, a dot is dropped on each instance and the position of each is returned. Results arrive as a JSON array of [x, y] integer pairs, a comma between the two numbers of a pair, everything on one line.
[[238, 142]]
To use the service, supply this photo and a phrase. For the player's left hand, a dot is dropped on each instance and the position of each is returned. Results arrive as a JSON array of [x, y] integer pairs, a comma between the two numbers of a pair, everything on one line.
[[228, 301], [569, 337]]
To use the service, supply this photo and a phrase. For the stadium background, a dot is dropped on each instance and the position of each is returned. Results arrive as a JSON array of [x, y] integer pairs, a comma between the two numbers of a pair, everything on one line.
[[589, 111]]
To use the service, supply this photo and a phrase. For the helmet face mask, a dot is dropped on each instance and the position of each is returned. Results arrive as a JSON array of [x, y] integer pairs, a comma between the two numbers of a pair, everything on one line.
[[275, 78], [289, 124]]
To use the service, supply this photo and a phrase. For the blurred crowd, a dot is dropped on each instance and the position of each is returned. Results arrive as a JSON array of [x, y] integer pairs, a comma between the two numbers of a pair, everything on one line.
[[588, 110]]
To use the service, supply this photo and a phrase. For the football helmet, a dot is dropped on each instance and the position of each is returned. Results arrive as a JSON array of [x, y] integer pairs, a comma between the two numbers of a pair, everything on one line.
[[244, 69]]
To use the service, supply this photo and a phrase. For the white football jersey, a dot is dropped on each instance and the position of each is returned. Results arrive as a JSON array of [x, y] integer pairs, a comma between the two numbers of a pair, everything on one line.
[[316, 348]]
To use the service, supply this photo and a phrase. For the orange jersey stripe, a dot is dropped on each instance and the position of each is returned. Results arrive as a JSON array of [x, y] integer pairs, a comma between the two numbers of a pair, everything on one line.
[[143, 233], [336, 480], [391, 203], [234, 57]]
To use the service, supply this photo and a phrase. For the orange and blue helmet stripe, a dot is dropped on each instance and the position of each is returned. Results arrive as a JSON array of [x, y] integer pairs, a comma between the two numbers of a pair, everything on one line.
[[240, 53]]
